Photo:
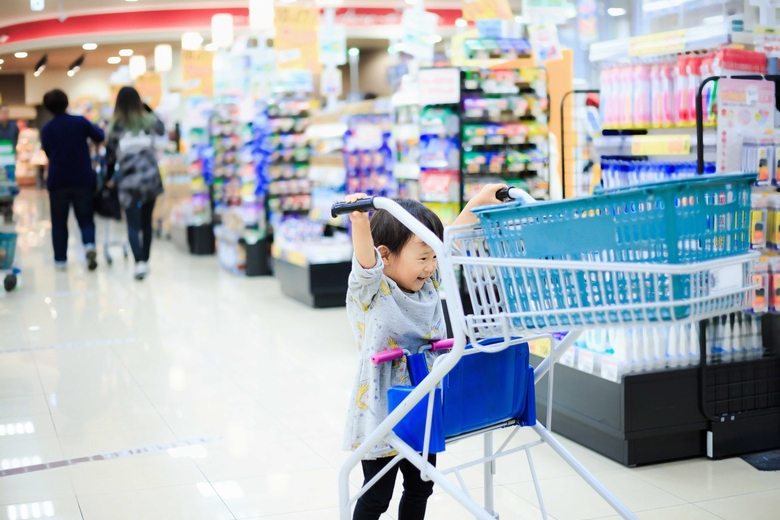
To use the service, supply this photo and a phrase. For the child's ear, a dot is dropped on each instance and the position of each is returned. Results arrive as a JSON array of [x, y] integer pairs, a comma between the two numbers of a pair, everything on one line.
[[384, 252]]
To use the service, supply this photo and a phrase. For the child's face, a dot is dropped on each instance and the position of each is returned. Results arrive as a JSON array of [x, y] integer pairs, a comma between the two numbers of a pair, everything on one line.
[[412, 266]]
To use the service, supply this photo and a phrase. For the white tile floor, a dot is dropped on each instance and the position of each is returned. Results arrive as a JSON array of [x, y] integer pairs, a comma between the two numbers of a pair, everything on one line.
[[93, 363]]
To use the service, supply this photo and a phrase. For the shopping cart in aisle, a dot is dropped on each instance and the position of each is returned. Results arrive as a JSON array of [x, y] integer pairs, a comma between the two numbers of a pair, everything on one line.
[[7, 270], [674, 252]]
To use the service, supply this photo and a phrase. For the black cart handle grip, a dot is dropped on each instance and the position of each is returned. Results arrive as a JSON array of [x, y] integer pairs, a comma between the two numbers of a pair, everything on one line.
[[345, 208], [511, 193]]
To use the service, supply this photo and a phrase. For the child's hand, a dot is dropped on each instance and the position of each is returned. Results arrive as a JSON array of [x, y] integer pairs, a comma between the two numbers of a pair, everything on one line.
[[357, 217], [486, 196]]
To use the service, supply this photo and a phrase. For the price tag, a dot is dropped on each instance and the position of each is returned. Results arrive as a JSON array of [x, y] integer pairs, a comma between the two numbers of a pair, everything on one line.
[[659, 43], [585, 361], [661, 144], [567, 358], [609, 369], [726, 279]]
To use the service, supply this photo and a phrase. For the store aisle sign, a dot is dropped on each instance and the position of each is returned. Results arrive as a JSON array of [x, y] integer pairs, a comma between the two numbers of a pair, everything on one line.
[[296, 41], [439, 86], [149, 87], [197, 73], [333, 44], [486, 10], [661, 144], [418, 26], [659, 43]]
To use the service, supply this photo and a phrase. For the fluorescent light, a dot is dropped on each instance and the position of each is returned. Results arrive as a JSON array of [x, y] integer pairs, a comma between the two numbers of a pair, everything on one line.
[[261, 14], [89, 46], [191, 41], [20, 55], [211, 47], [114, 60], [460, 22], [37, 72], [137, 66], [222, 30], [354, 51], [72, 73], [163, 58], [126, 52], [131, 0], [2, 61], [36, 5], [616, 11], [410, 2]]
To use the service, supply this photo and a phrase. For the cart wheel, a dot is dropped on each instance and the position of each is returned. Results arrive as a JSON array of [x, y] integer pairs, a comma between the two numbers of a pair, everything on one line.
[[10, 282]]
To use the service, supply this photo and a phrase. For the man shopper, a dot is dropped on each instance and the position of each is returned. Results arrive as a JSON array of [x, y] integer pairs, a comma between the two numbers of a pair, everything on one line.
[[71, 177]]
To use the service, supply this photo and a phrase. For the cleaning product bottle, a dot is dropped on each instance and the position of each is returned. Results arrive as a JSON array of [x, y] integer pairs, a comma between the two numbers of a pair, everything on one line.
[[681, 109]]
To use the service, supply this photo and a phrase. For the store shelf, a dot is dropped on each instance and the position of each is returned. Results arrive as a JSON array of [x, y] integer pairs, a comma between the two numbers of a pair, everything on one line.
[[673, 42], [625, 144]]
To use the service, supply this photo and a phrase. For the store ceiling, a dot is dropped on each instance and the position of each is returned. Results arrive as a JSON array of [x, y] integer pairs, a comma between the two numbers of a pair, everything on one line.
[[62, 57], [18, 11]]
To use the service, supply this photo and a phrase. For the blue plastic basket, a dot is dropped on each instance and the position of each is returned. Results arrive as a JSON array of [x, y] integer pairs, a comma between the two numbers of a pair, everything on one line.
[[675, 222], [7, 250], [482, 390]]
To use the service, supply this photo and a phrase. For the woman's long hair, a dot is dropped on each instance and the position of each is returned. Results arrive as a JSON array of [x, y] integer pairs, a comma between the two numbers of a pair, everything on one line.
[[129, 111]]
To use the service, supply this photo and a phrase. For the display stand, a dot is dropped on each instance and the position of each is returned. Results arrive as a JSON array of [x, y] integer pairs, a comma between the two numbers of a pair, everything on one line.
[[316, 285]]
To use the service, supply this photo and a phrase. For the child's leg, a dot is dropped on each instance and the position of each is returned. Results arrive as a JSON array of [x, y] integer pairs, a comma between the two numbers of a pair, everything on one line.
[[416, 491], [377, 499]]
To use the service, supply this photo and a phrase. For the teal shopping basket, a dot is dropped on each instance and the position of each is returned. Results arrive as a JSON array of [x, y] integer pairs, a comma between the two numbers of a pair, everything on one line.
[[676, 222], [7, 250]]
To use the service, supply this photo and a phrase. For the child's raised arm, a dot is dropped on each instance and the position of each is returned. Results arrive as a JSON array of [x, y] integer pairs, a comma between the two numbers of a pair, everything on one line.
[[362, 240], [486, 196]]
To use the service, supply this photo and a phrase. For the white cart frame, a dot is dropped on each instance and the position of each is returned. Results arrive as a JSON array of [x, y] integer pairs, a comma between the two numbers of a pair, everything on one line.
[[713, 288]]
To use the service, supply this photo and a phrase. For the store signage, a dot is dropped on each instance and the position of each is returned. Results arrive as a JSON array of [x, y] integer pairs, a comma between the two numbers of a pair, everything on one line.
[[439, 86], [294, 80], [197, 73], [296, 39], [545, 12], [331, 82], [149, 87], [661, 144], [418, 28], [587, 21], [544, 42], [262, 71], [333, 45], [659, 43], [231, 74], [486, 10]]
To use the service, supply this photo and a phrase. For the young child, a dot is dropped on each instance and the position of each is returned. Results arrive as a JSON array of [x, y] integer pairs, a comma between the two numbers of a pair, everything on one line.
[[393, 302]]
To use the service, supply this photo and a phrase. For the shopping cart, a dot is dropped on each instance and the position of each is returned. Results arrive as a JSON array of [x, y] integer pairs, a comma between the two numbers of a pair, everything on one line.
[[7, 250], [668, 253]]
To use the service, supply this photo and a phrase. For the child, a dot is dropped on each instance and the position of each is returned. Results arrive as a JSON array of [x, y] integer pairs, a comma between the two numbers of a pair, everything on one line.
[[392, 302]]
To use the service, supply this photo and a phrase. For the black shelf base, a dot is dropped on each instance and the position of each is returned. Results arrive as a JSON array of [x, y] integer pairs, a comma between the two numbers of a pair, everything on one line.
[[318, 285]]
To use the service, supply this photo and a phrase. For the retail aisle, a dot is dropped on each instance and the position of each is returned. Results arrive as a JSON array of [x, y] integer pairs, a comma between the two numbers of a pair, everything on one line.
[[216, 397]]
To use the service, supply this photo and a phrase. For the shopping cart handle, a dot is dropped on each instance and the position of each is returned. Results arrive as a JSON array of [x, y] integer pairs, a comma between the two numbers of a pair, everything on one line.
[[389, 355], [444, 344], [344, 208], [505, 194]]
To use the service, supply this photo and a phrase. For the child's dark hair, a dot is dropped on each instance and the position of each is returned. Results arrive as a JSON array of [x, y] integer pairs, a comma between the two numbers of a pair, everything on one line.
[[389, 232]]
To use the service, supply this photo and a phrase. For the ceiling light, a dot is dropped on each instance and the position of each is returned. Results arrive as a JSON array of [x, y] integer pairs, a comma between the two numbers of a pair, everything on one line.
[[137, 66], [72, 73], [287, 1], [191, 41], [211, 47], [76, 66], [410, 2], [131, 0], [2, 61], [114, 60], [20, 55], [261, 14], [163, 58], [126, 52], [222, 30], [616, 11], [460, 22], [41, 65], [89, 46], [354, 51], [36, 5]]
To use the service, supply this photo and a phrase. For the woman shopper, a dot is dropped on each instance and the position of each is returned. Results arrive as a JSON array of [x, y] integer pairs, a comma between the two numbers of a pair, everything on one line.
[[132, 163], [71, 177]]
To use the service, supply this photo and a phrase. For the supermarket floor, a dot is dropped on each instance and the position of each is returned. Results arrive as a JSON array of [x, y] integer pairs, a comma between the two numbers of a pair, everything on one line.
[[199, 395]]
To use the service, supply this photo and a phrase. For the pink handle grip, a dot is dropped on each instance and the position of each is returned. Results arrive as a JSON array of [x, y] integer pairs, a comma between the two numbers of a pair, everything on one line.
[[443, 344], [387, 355]]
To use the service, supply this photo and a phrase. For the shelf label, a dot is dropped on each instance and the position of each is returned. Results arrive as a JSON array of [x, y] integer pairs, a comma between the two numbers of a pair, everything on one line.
[[567, 358], [585, 361], [659, 43], [609, 369], [661, 144], [725, 279]]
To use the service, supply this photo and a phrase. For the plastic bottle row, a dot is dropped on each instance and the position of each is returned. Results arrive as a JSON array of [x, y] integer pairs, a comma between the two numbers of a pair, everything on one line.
[[619, 172], [662, 93], [610, 353]]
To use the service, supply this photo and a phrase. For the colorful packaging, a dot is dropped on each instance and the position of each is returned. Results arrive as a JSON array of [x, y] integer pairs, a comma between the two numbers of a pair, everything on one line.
[[758, 221]]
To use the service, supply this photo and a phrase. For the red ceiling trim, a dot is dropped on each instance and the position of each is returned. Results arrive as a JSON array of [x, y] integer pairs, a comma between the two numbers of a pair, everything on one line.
[[182, 19]]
